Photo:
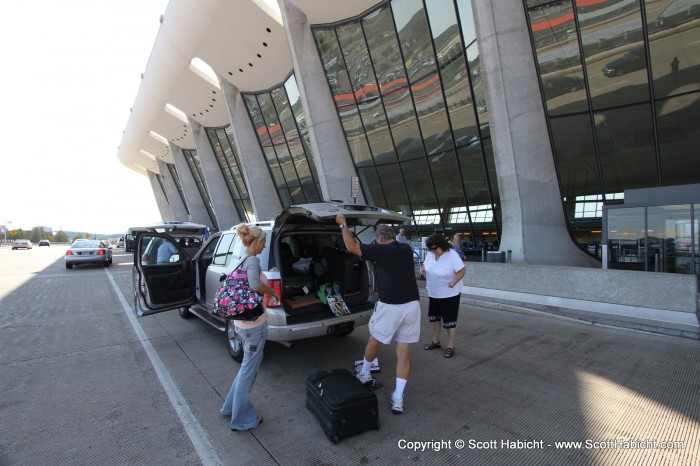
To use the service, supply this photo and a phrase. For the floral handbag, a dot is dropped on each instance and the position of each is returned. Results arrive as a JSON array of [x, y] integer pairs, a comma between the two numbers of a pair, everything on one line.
[[236, 299]]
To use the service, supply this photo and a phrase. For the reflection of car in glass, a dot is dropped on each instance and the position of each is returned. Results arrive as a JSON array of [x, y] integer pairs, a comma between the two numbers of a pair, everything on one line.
[[44, 242], [21, 244], [87, 251], [304, 250], [677, 13], [120, 242], [632, 60], [559, 85]]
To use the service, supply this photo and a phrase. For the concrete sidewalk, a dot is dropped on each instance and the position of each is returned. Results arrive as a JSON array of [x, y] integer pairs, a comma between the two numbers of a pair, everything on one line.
[[523, 388]]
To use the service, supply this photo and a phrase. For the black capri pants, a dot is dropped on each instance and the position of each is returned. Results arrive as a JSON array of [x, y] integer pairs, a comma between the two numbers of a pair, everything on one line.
[[445, 310]]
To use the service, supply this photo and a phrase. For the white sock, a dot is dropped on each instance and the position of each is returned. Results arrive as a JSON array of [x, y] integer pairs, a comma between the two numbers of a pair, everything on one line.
[[400, 385], [366, 366]]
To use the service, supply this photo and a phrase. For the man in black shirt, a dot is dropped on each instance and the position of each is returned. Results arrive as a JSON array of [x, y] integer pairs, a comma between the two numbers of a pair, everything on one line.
[[397, 313]]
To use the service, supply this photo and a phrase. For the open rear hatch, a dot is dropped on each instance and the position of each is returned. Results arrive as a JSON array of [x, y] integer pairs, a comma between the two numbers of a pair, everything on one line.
[[325, 213]]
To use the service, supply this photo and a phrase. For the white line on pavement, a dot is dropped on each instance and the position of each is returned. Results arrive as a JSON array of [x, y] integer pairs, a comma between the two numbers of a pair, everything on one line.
[[197, 436]]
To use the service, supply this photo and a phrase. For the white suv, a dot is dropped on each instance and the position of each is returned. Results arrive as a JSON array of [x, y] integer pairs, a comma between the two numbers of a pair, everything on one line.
[[304, 250]]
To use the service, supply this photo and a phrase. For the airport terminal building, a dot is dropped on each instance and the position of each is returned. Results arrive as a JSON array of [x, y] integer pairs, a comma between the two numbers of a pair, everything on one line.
[[562, 131]]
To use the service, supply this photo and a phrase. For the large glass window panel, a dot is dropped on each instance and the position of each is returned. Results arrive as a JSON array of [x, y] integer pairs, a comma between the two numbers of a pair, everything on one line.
[[357, 62], [178, 184], [679, 138], [448, 181], [453, 70], [432, 116], [675, 34], [418, 181], [696, 238], [414, 38], [466, 19], [473, 171], [376, 127], [491, 170], [384, 50], [669, 238], [575, 156], [627, 153], [626, 237], [615, 57], [334, 66], [474, 65], [394, 188], [553, 29], [356, 137], [372, 187]]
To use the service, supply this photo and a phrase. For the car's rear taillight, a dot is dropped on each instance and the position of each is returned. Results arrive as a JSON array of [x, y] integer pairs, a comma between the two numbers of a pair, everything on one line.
[[69, 253], [271, 301], [101, 252]]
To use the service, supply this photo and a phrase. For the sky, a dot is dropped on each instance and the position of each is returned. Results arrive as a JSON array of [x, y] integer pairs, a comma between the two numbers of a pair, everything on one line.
[[70, 72]]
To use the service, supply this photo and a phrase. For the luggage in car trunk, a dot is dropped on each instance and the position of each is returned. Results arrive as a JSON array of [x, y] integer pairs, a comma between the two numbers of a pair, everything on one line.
[[340, 402], [343, 267]]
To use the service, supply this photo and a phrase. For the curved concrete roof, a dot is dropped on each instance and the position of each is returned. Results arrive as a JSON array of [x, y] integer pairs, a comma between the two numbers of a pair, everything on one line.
[[243, 41]]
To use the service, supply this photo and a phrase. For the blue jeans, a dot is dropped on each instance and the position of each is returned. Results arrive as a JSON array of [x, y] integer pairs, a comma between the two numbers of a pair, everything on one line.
[[244, 416]]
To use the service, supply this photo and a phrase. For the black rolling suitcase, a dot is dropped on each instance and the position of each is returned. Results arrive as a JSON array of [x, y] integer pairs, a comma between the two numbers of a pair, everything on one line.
[[343, 406]]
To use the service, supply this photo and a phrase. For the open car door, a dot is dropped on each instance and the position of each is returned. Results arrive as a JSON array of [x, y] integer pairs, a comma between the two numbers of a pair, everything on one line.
[[325, 212], [163, 275]]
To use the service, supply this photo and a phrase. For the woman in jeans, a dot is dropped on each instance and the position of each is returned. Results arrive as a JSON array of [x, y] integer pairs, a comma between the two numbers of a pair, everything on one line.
[[237, 404], [443, 271]]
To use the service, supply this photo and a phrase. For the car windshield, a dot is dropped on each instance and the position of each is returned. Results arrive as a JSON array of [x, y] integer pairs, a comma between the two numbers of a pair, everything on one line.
[[86, 244]]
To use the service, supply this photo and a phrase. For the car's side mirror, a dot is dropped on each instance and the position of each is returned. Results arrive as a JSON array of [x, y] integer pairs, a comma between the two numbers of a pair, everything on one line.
[[222, 277]]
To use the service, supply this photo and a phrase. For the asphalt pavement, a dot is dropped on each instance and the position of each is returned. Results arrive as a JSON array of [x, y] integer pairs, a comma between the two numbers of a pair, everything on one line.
[[84, 382]]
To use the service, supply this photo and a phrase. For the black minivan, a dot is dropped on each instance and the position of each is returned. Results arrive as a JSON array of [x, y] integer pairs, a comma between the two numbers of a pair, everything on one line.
[[304, 251]]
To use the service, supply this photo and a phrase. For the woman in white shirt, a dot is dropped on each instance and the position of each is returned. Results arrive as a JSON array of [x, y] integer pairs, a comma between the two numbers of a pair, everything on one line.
[[443, 271]]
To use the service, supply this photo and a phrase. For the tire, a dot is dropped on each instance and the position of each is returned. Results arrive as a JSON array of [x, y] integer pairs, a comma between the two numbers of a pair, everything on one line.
[[233, 342], [69, 266], [105, 264], [184, 312]]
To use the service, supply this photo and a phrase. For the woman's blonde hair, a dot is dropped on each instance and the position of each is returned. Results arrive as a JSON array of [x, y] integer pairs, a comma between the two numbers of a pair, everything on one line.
[[250, 233]]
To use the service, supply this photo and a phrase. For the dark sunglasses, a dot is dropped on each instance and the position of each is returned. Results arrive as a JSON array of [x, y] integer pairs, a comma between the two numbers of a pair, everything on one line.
[[433, 248]]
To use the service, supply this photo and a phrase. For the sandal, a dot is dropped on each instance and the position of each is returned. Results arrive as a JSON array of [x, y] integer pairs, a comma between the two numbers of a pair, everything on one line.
[[432, 345], [449, 352]]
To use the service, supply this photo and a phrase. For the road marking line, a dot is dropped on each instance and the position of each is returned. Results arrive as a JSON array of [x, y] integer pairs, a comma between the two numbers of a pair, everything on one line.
[[197, 435]]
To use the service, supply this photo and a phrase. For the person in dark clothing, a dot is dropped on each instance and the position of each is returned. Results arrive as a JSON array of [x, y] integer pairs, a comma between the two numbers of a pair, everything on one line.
[[397, 312]]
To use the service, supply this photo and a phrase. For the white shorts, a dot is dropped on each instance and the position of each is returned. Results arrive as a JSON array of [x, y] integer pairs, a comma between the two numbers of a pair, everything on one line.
[[400, 322]]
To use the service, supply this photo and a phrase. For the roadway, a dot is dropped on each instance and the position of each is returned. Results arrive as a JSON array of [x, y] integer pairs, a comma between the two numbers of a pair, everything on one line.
[[83, 382]]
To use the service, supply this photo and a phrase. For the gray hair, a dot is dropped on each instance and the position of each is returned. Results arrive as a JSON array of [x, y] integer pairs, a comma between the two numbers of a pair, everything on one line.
[[384, 232]]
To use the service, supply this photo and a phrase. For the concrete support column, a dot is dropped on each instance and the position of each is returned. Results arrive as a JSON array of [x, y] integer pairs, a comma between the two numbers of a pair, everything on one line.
[[226, 214], [331, 154], [177, 207], [262, 190], [195, 203], [534, 225], [166, 213]]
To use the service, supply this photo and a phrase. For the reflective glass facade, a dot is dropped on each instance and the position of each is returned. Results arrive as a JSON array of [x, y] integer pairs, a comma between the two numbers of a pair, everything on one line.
[[621, 83], [221, 140], [406, 82], [278, 120], [178, 184], [195, 166], [654, 238]]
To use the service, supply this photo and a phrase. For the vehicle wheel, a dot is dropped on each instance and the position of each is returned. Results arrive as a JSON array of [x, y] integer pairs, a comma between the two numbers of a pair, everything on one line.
[[184, 312], [69, 266], [14, 249], [105, 264], [233, 342]]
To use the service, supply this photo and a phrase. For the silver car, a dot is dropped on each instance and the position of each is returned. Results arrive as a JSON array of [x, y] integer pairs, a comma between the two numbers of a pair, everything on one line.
[[87, 251], [304, 251]]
